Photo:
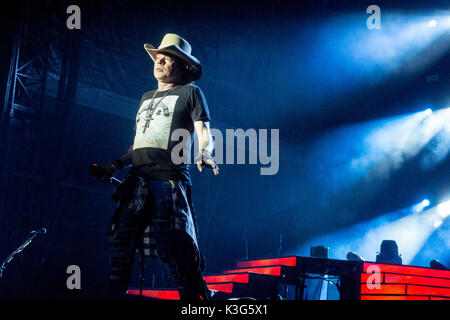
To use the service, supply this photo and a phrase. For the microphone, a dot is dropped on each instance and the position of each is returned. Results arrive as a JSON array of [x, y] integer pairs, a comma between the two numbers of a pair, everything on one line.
[[98, 172], [39, 231]]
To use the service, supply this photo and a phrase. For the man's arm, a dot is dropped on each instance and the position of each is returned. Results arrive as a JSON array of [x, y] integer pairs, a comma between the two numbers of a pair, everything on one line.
[[118, 164], [127, 157], [206, 145]]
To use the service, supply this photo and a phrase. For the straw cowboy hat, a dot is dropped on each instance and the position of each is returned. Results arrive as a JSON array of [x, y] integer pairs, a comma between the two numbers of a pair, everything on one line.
[[176, 45]]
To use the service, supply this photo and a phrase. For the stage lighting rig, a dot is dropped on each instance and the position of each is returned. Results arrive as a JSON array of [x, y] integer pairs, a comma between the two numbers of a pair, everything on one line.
[[352, 256], [389, 253], [436, 264]]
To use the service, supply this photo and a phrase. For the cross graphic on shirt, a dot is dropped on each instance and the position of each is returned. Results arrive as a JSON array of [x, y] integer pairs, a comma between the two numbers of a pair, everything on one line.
[[150, 113]]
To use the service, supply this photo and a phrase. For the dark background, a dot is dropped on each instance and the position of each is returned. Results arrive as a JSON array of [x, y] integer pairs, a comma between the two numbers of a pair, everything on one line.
[[265, 66]]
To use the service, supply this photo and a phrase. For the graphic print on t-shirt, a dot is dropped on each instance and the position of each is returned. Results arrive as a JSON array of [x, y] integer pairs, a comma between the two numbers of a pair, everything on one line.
[[154, 132]]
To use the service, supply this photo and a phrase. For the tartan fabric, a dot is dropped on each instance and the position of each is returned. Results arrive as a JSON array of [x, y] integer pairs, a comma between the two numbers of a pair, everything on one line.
[[136, 206], [180, 217], [156, 219]]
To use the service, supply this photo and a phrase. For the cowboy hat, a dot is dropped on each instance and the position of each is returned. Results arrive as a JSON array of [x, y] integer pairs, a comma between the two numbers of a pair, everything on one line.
[[177, 46]]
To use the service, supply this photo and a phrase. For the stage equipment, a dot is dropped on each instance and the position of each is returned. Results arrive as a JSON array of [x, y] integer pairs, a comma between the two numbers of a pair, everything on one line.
[[436, 264], [319, 252], [389, 253], [351, 256], [33, 234]]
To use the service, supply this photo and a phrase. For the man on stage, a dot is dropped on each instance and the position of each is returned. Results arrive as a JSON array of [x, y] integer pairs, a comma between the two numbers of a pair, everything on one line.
[[155, 213]]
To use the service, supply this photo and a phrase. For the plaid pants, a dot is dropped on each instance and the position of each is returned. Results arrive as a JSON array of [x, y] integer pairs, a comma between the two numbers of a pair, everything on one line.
[[158, 221]]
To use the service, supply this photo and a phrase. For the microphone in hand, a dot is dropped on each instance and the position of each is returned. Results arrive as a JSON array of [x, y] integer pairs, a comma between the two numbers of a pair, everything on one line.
[[96, 171], [105, 174]]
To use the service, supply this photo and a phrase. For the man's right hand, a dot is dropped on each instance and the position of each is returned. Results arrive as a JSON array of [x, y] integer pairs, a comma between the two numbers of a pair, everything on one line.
[[110, 170]]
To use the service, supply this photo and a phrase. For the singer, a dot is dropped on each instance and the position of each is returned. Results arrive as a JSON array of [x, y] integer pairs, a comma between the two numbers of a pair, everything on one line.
[[155, 214]]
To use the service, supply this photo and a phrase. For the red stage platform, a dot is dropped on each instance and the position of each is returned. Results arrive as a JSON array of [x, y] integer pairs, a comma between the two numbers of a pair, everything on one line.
[[270, 279]]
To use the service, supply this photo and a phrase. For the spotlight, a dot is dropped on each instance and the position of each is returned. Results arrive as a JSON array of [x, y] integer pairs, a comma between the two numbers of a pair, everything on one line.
[[432, 23], [444, 209], [437, 224], [435, 264], [447, 127], [422, 205], [389, 253], [351, 256]]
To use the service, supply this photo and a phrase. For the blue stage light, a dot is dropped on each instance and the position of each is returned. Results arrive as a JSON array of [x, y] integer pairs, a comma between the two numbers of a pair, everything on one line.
[[444, 209], [437, 223], [421, 205]]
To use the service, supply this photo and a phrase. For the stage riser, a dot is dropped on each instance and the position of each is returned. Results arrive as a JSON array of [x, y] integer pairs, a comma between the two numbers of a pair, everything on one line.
[[282, 278]]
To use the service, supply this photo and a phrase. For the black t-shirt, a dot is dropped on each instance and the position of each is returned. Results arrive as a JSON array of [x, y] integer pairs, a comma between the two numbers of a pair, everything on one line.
[[156, 120]]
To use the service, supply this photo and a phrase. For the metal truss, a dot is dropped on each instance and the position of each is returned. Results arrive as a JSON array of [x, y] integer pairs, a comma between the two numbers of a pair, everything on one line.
[[20, 127]]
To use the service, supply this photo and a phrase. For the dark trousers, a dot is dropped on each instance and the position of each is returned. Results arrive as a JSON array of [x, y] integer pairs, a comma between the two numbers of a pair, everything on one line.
[[174, 246]]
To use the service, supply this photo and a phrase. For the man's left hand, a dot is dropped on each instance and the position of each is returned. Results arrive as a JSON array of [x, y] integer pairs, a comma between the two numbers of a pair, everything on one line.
[[204, 159]]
